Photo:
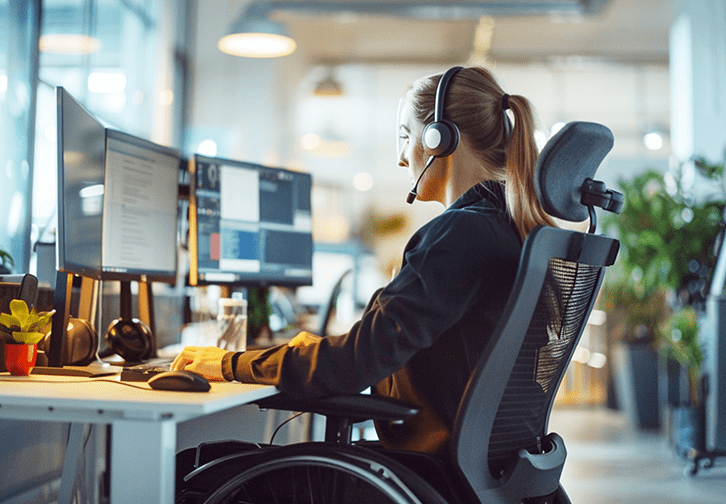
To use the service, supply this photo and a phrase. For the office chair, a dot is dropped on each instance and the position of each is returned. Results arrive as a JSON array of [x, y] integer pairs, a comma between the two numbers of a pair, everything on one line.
[[500, 450]]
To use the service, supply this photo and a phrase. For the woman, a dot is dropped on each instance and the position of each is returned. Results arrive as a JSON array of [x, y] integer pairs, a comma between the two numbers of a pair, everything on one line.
[[421, 336]]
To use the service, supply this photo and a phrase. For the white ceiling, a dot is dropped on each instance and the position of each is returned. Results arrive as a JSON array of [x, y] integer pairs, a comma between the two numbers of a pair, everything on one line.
[[396, 31]]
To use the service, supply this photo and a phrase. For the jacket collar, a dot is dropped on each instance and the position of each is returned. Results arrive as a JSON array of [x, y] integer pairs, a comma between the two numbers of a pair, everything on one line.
[[488, 193]]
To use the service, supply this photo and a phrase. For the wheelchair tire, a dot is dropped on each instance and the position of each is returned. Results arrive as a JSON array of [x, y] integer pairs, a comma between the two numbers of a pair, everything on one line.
[[309, 473]]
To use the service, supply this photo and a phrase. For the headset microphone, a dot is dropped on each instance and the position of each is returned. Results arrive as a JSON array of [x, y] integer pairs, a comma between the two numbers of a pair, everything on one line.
[[413, 193]]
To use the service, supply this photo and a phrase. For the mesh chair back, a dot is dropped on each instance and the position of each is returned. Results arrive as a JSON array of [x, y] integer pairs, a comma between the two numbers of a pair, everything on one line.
[[559, 316], [504, 412]]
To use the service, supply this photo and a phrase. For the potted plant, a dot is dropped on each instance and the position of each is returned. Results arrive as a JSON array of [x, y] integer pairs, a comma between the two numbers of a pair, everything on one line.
[[679, 337], [6, 263], [258, 315], [659, 285], [22, 329]]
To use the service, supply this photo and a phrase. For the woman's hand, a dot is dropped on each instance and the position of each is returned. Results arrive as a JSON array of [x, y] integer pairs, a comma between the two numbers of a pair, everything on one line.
[[206, 361], [303, 338]]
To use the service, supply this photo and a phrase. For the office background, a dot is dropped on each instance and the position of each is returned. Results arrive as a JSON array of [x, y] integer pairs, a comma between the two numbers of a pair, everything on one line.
[[152, 68]]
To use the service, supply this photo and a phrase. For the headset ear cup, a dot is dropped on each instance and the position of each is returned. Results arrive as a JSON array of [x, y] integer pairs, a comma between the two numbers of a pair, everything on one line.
[[80, 346], [131, 339], [440, 138]]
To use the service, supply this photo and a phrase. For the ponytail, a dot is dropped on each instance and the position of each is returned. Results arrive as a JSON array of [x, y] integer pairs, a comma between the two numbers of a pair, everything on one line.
[[522, 202]]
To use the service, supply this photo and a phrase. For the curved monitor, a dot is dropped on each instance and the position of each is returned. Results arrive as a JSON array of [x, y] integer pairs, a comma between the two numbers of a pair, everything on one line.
[[249, 224]]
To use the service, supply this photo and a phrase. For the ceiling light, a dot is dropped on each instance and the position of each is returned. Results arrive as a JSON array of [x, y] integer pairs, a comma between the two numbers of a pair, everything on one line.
[[207, 147], [363, 181], [71, 44], [253, 35], [106, 82], [328, 87], [653, 140], [310, 141]]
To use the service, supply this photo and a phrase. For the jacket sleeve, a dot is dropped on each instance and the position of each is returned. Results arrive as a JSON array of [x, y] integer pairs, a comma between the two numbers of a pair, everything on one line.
[[444, 266]]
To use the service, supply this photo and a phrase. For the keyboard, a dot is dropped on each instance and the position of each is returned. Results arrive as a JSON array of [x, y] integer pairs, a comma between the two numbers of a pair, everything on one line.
[[143, 372], [93, 370]]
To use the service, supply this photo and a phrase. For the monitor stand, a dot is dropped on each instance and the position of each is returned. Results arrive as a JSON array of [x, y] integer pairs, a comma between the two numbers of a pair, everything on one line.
[[87, 311]]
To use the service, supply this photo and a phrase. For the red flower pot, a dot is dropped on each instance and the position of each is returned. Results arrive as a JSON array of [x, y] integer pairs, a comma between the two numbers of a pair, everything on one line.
[[20, 359]]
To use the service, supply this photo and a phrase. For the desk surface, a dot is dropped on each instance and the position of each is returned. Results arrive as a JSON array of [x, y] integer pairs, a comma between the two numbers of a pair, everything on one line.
[[105, 399]]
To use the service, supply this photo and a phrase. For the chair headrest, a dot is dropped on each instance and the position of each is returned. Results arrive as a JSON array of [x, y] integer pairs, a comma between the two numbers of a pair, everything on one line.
[[570, 156]]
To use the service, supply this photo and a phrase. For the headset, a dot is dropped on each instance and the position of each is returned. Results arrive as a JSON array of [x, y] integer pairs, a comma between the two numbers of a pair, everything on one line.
[[131, 338], [440, 138]]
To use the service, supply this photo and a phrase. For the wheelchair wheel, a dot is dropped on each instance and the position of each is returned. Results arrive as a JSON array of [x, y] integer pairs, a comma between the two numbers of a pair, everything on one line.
[[311, 473]]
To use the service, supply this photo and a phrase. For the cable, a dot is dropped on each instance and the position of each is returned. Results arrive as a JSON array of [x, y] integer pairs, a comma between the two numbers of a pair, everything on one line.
[[89, 380], [283, 423]]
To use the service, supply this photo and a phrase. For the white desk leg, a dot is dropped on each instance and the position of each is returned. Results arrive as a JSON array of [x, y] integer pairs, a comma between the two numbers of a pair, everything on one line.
[[70, 466], [142, 461]]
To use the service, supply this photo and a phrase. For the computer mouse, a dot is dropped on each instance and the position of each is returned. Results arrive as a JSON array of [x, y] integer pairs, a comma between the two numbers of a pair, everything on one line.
[[181, 380]]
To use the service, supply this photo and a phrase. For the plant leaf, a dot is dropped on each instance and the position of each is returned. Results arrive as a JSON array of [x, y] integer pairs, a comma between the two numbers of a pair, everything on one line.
[[28, 337], [44, 318], [9, 321], [19, 308]]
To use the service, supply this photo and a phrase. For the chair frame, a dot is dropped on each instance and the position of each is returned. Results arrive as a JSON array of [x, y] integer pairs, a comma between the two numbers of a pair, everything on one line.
[[533, 474]]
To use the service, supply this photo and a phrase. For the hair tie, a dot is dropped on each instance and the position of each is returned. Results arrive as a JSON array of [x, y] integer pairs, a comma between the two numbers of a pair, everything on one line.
[[505, 101]]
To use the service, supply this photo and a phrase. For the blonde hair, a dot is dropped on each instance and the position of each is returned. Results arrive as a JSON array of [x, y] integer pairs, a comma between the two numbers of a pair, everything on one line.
[[474, 103]]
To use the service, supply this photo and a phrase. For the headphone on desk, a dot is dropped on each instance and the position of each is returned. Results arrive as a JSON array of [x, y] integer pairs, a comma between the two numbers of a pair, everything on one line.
[[131, 339], [80, 345], [440, 138]]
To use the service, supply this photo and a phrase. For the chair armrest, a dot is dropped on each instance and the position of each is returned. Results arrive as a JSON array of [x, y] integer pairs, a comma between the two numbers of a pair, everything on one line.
[[356, 407]]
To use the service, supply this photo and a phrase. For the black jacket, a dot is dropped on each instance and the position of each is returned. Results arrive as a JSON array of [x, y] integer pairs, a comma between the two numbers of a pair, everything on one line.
[[422, 335]]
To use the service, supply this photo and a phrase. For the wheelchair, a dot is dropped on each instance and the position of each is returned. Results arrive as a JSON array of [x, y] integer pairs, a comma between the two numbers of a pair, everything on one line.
[[500, 450]]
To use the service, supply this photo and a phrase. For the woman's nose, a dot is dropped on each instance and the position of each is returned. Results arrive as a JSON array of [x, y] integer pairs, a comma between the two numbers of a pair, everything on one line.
[[402, 161]]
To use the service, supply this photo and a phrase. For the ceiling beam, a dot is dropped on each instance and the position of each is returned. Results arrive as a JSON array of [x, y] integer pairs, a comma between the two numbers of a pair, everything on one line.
[[451, 10]]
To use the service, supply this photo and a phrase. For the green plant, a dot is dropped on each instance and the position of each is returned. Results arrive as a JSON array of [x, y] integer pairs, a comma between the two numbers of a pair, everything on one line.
[[659, 283], [22, 325], [6, 262], [679, 333], [258, 312], [666, 239]]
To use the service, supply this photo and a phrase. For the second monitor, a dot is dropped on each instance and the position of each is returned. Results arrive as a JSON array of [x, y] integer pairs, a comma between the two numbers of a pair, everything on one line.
[[249, 224]]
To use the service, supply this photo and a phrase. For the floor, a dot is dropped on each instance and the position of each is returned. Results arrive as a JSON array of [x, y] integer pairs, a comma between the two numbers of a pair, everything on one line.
[[610, 462]]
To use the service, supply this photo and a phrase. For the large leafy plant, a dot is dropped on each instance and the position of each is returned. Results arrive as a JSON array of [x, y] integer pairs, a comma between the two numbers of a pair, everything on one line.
[[22, 325], [668, 239]]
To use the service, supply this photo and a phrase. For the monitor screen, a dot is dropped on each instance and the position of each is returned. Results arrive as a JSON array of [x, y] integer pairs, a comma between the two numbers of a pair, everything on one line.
[[81, 148], [117, 200], [249, 224], [139, 209]]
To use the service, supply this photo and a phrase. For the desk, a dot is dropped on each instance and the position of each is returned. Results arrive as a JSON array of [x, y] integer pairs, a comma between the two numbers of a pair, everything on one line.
[[143, 433]]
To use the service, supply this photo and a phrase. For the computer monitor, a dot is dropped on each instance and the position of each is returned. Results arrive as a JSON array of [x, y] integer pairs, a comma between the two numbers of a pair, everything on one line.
[[117, 214], [117, 200], [81, 151], [140, 210], [249, 224]]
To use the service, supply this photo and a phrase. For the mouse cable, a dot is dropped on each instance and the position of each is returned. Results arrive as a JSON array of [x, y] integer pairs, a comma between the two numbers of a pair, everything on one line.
[[88, 380]]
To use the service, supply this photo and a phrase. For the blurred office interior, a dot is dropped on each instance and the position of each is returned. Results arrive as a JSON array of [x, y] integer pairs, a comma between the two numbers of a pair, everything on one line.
[[651, 70]]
